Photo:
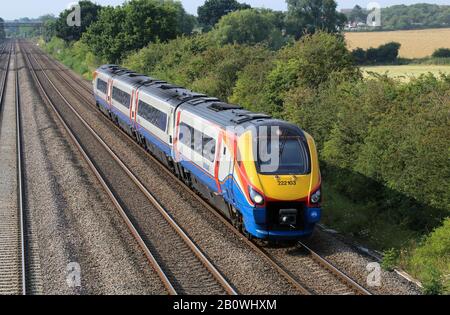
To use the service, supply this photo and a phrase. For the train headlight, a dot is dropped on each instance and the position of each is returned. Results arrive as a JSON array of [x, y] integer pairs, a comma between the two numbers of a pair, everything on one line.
[[256, 197], [316, 197]]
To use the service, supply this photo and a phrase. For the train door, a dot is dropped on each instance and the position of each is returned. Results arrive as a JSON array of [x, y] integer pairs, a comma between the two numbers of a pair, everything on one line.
[[133, 101], [109, 96], [226, 169]]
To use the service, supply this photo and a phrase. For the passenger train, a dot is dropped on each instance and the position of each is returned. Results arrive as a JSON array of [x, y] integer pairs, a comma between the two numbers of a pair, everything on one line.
[[261, 173]]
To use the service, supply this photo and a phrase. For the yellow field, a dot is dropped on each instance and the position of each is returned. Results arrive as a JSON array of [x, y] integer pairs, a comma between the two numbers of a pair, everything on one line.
[[408, 71], [415, 44]]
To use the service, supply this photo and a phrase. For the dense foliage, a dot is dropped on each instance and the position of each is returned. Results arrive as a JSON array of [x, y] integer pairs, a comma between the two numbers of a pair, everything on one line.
[[133, 25], [384, 54], [251, 26], [213, 10], [89, 14], [307, 16], [435, 273], [442, 53], [75, 55]]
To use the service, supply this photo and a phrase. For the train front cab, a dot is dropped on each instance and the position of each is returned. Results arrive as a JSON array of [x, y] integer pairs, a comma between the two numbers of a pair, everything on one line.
[[281, 203]]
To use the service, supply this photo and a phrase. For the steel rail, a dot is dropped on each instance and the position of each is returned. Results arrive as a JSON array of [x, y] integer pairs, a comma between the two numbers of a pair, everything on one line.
[[266, 256], [343, 277], [5, 75], [20, 178], [197, 252]]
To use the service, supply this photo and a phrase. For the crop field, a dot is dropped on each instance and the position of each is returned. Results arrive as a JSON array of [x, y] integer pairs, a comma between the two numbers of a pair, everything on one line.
[[404, 73], [415, 44]]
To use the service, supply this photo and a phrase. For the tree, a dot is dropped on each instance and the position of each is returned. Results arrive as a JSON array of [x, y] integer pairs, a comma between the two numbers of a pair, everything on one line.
[[212, 10], [442, 53], [309, 16], [89, 14], [359, 55], [251, 26], [132, 26], [388, 53], [2, 29], [358, 15], [307, 64]]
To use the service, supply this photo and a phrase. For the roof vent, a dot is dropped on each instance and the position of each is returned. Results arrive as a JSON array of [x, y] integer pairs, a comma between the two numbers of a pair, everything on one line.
[[169, 87], [186, 95], [219, 107], [242, 118], [134, 75], [202, 100], [153, 82]]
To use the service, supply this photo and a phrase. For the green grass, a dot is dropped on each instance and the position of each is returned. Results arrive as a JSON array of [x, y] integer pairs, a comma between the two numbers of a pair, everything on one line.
[[361, 222], [406, 72], [426, 258]]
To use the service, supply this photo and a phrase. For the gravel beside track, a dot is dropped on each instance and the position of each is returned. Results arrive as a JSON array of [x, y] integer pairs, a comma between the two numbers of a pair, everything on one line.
[[354, 262], [72, 219]]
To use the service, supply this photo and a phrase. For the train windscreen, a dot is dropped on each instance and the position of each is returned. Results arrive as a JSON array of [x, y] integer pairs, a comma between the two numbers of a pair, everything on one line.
[[284, 154]]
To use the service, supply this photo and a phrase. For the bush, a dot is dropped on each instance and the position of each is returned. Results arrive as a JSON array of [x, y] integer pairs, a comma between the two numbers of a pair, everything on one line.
[[197, 63], [430, 262], [359, 56], [74, 55], [432, 282], [384, 54], [442, 53], [252, 26], [388, 53], [133, 25], [390, 259], [308, 63], [90, 13]]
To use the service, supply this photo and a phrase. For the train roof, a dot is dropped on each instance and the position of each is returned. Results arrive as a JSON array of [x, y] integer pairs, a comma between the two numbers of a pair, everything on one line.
[[209, 108]]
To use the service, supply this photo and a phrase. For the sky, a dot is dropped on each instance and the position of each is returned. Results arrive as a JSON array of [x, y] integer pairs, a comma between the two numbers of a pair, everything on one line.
[[10, 10]]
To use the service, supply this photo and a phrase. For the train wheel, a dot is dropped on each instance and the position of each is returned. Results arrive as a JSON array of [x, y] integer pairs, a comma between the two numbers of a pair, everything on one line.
[[246, 233], [235, 221], [238, 222]]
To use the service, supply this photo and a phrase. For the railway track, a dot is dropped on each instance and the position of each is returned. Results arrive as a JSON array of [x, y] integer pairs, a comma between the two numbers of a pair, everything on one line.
[[333, 281], [13, 271], [180, 264]]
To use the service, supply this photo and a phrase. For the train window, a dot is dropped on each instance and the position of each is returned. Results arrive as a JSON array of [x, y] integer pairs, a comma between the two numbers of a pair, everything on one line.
[[209, 148], [187, 135], [198, 142], [102, 86], [121, 97], [291, 156], [154, 116]]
